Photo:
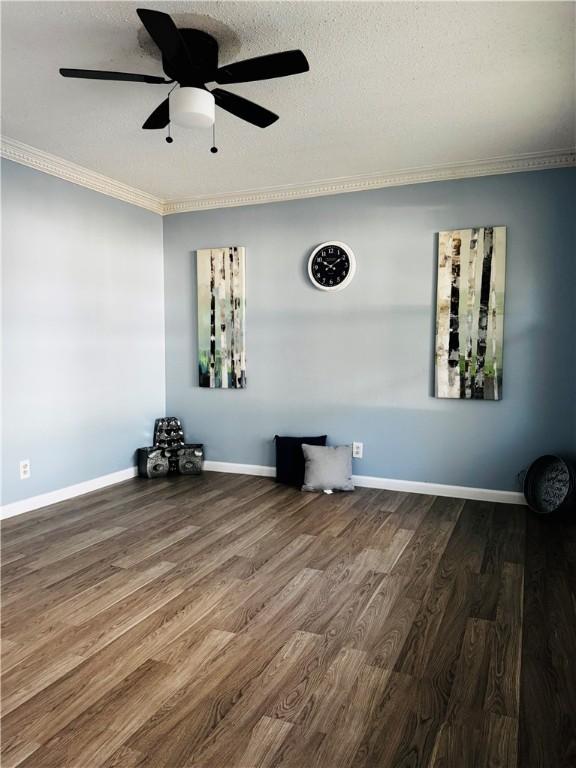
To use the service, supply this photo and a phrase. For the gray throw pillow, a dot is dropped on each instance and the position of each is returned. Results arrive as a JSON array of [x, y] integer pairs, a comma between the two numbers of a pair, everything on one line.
[[327, 468]]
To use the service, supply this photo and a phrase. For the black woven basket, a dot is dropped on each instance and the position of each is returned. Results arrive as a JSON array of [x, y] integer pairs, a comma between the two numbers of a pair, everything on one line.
[[550, 486]]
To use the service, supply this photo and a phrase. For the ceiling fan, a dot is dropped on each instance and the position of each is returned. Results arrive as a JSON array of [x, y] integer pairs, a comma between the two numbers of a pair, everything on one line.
[[190, 59]]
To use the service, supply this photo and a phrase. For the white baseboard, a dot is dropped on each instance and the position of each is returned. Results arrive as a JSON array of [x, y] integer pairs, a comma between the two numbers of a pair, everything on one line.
[[438, 489], [62, 494], [366, 481], [239, 469]]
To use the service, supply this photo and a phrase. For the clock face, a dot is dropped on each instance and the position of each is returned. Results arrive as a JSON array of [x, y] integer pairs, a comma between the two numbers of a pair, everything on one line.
[[331, 266]]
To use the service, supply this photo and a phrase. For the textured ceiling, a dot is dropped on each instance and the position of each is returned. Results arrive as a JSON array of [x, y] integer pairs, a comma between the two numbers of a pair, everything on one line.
[[392, 86]]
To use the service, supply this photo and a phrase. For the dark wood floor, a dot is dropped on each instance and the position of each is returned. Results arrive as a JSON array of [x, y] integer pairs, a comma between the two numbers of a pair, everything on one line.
[[225, 621]]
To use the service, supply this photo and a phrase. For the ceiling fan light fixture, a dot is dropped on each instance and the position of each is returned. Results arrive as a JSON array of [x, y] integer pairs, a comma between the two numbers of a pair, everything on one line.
[[192, 107]]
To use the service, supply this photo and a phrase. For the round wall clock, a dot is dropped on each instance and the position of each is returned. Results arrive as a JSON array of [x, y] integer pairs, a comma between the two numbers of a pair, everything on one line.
[[331, 266]]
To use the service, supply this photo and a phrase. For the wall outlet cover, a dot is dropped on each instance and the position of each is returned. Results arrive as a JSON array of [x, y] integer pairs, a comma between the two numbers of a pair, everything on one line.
[[24, 469], [357, 450]]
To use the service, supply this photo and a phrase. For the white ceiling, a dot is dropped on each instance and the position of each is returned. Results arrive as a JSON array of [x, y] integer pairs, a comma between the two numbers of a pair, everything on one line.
[[391, 86]]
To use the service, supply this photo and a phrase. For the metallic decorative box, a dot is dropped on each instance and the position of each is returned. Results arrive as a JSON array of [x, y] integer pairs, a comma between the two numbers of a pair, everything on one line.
[[190, 459], [170, 454], [153, 462], [168, 432]]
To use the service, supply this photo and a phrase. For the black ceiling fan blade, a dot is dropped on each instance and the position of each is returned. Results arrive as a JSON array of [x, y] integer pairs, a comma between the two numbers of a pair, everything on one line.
[[162, 30], [263, 67], [246, 110], [159, 118], [165, 34], [97, 74]]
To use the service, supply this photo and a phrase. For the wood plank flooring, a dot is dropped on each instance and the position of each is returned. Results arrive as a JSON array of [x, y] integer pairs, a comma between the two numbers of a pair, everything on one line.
[[228, 622]]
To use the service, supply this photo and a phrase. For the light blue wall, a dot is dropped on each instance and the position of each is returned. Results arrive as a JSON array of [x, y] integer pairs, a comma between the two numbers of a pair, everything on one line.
[[358, 364], [83, 336], [83, 331]]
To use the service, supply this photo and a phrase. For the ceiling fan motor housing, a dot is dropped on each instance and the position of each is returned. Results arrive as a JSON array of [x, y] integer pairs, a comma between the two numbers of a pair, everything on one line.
[[202, 52], [192, 107]]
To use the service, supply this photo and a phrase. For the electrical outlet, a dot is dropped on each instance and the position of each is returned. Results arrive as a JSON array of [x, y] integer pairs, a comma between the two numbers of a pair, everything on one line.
[[24, 469], [357, 450]]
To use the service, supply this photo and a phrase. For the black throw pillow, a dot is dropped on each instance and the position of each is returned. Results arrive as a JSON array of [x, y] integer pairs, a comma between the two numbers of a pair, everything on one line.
[[290, 459]]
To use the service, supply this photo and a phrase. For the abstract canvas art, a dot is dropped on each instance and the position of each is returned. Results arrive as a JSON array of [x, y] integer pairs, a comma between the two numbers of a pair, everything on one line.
[[470, 313], [221, 312]]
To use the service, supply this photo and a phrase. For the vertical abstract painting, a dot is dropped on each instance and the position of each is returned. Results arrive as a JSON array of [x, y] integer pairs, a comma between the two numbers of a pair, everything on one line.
[[221, 310], [470, 313]]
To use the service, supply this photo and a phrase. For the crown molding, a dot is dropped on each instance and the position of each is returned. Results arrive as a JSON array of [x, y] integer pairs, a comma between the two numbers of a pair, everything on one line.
[[536, 161], [77, 174], [57, 166]]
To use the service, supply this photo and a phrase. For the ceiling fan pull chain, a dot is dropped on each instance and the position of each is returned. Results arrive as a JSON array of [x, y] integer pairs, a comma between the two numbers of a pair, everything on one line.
[[169, 138], [214, 148]]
